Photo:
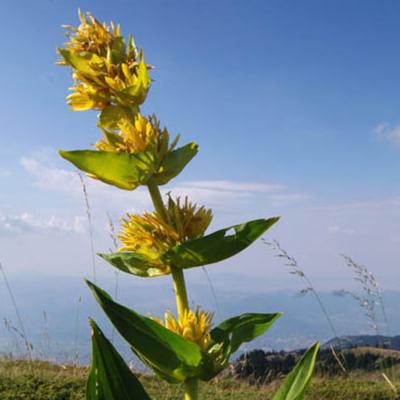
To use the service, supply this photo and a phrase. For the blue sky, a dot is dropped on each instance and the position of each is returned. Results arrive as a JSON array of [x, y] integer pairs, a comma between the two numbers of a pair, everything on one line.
[[295, 106]]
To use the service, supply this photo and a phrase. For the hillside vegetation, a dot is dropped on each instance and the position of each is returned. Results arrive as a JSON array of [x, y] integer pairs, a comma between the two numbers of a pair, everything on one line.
[[20, 380], [264, 367]]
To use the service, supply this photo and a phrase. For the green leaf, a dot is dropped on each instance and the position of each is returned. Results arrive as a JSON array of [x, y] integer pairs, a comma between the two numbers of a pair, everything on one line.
[[126, 171], [229, 335], [296, 382], [118, 50], [170, 355], [111, 115], [109, 376], [112, 137], [209, 249], [175, 162], [133, 263], [217, 246], [137, 93], [81, 61], [143, 74], [243, 328]]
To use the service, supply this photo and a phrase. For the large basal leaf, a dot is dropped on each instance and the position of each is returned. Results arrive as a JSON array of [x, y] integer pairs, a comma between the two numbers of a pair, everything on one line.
[[175, 357], [133, 263], [175, 161], [296, 382], [243, 328], [126, 171], [109, 376], [217, 246]]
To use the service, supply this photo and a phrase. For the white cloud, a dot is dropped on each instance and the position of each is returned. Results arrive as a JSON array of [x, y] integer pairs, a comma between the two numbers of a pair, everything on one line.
[[388, 133], [379, 204], [50, 178], [340, 230], [211, 193], [231, 193], [238, 186], [26, 222], [285, 199]]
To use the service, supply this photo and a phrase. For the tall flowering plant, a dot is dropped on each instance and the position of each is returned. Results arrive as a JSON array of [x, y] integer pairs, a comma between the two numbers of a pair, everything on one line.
[[111, 76]]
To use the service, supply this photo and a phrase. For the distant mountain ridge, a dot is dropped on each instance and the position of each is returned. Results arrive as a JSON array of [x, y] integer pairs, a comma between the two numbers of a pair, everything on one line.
[[349, 342]]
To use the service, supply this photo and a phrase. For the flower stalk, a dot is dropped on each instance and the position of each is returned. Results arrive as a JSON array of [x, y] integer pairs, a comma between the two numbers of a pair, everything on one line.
[[157, 199], [182, 302], [191, 389]]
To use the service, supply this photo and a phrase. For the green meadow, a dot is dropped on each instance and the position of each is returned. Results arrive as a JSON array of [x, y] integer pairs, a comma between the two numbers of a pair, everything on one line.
[[20, 380]]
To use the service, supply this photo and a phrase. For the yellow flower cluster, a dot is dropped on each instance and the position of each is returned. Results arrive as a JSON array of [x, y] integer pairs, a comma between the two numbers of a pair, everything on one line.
[[189, 221], [194, 326], [106, 71], [136, 135], [147, 235], [92, 36], [150, 236]]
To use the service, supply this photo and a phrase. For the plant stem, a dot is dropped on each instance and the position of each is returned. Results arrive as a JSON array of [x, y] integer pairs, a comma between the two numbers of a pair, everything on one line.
[[182, 303], [157, 199], [191, 389]]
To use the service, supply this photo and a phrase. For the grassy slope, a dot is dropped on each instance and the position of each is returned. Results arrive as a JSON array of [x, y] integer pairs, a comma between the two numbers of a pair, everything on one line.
[[45, 381]]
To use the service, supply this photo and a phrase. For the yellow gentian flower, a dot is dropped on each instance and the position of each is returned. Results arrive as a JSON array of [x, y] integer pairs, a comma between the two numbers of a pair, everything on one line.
[[106, 70], [194, 326], [188, 220], [151, 236], [136, 135], [147, 235]]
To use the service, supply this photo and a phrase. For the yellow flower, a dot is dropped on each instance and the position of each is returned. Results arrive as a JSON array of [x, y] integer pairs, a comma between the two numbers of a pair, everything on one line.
[[195, 326], [150, 236], [91, 36], [106, 70], [86, 98], [147, 235], [188, 220], [137, 135]]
